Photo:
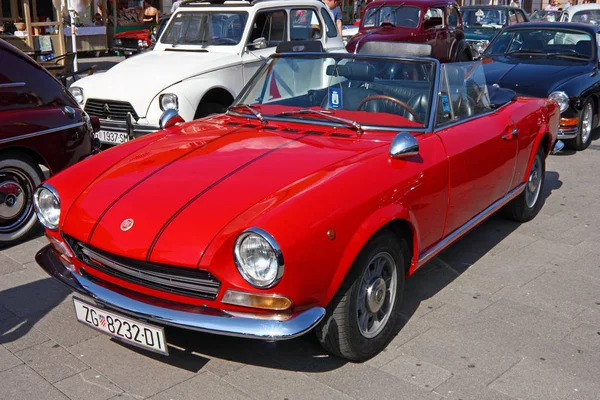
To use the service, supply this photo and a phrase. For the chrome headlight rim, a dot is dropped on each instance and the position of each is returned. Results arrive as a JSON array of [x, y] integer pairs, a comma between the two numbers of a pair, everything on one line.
[[261, 233], [166, 97], [39, 212], [481, 46], [561, 98], [77, 93]]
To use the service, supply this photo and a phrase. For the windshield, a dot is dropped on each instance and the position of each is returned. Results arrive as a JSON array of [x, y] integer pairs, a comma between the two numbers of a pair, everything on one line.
[[587, 17], [482, 18], [542, 15], [205, 28], [543, 42], [376, 91], [398, 15]]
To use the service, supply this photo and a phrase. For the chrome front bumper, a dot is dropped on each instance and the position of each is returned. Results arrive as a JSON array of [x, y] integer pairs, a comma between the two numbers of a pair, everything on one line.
[[202, 319], [568, 133]]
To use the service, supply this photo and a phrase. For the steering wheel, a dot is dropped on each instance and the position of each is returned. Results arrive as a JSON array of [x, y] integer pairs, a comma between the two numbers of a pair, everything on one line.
[[393, 100]]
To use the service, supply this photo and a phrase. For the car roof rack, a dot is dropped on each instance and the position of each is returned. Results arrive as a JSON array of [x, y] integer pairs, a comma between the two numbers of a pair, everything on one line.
[[192, 3]]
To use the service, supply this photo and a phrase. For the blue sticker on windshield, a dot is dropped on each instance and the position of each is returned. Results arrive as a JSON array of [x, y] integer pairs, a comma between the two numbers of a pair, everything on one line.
[[335, 98], [445, 103]]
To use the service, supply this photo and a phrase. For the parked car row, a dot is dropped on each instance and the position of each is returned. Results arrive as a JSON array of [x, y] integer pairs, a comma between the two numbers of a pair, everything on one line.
[[307, 201]]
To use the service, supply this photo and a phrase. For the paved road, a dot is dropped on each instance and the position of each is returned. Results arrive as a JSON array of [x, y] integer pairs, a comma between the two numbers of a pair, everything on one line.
[[510, 312]]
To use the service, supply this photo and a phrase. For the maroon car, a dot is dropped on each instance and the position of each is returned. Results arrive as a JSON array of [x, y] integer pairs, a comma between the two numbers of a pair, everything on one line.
[[41, 126], [434, 22]]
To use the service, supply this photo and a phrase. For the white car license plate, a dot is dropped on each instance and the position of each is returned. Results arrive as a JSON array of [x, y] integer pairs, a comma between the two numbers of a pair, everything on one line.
[[123, 328], [112, 137]]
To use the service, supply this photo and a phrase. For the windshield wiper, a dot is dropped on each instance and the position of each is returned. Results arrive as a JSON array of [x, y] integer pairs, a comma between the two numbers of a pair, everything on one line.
[[569, 55], [524, 51], [249, 108], [325, 114]]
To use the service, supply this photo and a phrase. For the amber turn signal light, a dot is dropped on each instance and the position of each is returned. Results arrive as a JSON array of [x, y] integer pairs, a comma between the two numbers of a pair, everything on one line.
[[272, 302], [569, 121]]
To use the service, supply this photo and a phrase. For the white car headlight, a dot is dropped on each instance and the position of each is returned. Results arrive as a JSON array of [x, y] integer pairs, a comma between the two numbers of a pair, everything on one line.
[[561, 98], [118, 42], [47, 206], [258, 258], [168, 101], [77, 92]]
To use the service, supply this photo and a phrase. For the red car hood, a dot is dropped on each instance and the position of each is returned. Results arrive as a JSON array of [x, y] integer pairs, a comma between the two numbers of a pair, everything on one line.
[[181, 190], [139, 34]]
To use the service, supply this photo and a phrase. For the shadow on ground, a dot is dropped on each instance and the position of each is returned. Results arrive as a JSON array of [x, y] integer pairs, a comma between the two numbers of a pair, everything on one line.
[[192, 350], [23, 306]]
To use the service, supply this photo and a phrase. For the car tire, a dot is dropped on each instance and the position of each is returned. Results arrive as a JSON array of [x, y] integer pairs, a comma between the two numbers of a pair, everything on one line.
[[584, 130], [345, 330], [19, 176], [529, 203], [208, 109]]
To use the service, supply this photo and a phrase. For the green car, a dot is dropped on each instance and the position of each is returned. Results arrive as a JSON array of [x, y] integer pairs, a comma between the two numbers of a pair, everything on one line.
[[482, 23]]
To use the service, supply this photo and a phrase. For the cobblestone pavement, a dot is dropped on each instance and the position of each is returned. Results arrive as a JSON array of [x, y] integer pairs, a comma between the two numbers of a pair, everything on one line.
[[509, 312]]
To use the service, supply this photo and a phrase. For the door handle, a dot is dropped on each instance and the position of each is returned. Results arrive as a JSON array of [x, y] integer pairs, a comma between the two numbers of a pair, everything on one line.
[[511, 134]]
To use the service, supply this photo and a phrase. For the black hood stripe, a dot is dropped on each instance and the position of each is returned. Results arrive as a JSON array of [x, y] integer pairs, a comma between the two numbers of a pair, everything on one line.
[[111, 205], [196, 197]]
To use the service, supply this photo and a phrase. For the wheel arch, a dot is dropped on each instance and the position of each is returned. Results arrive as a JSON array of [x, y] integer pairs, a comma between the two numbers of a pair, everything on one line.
[[462, 45], [217, 94], [17, 151], [395, 218]]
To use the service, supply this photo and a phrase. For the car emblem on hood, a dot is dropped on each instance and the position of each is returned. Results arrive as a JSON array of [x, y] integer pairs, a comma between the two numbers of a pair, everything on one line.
[[127, 224]]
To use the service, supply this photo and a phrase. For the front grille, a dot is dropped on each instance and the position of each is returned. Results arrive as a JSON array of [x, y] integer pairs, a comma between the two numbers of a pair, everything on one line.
[[176, 280], [129, 43], [110, 109]]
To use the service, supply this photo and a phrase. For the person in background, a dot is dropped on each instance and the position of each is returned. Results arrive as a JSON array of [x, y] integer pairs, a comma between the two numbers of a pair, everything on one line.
[[567, 5], [175, 5], [149, 16], [336, 13], [552, 6], [515, 4]]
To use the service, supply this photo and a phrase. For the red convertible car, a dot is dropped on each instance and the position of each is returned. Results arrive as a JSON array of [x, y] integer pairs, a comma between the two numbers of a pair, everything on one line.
[[40, 125], [326, 184]]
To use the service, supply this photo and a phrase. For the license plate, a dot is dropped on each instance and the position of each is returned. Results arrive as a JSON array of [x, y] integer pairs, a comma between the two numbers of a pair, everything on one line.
[[123, 328], [112, 137]]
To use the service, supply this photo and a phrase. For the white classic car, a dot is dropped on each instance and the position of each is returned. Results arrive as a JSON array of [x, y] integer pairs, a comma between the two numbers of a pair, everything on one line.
[[582, 13], [203, 58]]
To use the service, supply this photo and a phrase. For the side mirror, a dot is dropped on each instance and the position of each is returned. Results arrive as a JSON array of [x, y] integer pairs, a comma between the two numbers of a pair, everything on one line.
[[258, 43], [404, 145], [170, 118]]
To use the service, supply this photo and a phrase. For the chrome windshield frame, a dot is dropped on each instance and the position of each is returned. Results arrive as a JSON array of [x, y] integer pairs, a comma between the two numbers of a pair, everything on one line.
[[434, 90]]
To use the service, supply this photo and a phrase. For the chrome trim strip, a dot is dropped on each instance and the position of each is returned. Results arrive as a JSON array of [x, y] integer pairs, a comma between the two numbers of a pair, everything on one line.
[[441, 245], [44, 132], [11, 85], [121, 127], [201, 319]]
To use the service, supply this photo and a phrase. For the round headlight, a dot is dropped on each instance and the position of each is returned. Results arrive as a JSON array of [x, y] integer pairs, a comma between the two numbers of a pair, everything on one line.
[[258, 258], [47, 206], [168, 101], [77, 92], [118, 42], [481, 46], [561, 98]]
